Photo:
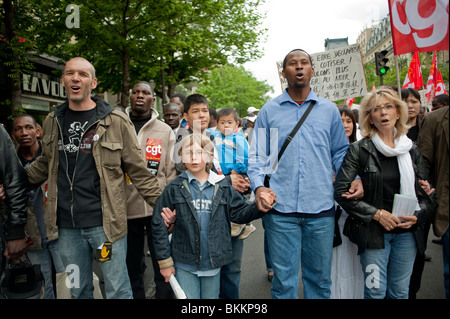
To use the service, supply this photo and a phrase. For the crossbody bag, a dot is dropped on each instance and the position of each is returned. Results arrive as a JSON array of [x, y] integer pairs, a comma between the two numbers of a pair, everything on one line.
[[288, 140]]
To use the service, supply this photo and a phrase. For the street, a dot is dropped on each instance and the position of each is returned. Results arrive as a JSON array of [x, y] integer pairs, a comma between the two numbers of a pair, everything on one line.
[[254, 283]]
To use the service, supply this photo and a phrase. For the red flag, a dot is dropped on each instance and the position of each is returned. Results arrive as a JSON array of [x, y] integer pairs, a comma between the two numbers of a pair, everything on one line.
[[414, 78], [431, 83], [440, 87], [419, 25], [349, 102], [373, 87]]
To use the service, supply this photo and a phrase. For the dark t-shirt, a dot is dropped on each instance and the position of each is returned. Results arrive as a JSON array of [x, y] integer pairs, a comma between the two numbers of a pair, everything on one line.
[[75, 126], [79, 201], [413, 133], [391, 180]]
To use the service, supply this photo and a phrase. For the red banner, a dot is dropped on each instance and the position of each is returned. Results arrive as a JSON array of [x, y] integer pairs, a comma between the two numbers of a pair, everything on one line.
[[432, 78], [419, 25], [440, 87], [414, 77]]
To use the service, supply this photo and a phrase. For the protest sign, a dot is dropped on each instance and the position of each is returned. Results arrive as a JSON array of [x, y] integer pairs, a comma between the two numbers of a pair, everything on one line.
[[338, 73]]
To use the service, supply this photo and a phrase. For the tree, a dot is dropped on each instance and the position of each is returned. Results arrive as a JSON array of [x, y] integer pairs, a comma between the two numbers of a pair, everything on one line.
[[15, 46], [133, 40], [209, 34], [233, 86]]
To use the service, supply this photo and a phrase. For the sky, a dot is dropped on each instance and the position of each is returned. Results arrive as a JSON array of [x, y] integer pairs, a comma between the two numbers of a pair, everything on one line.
[[305, 24]]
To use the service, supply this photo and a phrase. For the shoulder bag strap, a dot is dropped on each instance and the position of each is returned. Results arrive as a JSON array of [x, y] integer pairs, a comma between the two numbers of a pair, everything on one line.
[[294, 131]]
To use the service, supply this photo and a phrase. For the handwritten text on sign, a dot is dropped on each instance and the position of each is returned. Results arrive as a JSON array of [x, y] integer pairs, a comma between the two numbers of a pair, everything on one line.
[[338, 73]]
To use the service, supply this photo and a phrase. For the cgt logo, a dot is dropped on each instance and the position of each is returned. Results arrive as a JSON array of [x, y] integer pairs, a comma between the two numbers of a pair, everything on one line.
[[153, 149]]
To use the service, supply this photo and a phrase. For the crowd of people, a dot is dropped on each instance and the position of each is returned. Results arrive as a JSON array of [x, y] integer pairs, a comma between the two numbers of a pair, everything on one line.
[[96, 182]]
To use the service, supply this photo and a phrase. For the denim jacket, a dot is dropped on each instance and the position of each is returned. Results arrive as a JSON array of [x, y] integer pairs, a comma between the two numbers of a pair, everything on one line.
[[227, 205], [362, 159]]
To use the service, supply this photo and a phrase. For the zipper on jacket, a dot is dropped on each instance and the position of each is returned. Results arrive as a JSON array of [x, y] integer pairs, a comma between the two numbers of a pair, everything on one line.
[[200, 225], [67, 173], [75, 168]]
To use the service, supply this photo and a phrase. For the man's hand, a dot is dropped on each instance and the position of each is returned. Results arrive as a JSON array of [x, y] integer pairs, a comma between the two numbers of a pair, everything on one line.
[[168, 216], [426, 186], [15, 248], [238, 182], [265, 199], [356, 190]]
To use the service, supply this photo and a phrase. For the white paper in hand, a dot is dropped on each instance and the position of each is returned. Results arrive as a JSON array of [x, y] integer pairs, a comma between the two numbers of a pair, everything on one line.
[[404, 205], [179, 293]]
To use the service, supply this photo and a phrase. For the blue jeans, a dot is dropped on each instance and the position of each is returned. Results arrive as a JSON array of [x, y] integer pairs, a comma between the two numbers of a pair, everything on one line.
[[445, 244], [292, 240], [45, 257], [196, 287], [230, 275], [76, 247], [388, 271]]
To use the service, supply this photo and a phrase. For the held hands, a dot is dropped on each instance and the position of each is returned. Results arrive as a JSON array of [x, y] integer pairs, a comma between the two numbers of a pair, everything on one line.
[[426, 186], [15, 248], [168, 216], [389, 221], [356, 190], [238, 182], [265, 198]]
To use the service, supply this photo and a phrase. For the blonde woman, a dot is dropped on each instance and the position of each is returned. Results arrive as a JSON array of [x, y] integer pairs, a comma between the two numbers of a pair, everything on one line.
[[388, 164]]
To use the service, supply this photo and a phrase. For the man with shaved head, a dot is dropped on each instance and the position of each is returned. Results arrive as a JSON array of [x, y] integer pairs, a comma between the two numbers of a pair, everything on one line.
[[87, 149]]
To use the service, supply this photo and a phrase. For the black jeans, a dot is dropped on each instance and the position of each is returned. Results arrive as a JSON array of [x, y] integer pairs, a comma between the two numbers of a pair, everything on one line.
[[137, 228]]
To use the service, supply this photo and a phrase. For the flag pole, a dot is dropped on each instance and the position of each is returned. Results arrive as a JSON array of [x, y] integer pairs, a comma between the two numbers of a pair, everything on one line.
[[399, 88]]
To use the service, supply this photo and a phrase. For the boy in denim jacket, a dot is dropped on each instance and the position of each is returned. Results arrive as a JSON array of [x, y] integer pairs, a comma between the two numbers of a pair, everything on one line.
[[205, 203]]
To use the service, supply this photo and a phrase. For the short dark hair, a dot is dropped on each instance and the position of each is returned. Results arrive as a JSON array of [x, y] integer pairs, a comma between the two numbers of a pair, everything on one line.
[[442, 99], [227, 111], [171, 104], [285, 58], [181, 96], [345, 110], [410, 91], [194, 99], [144, 82], [26, 115], [213, 113]]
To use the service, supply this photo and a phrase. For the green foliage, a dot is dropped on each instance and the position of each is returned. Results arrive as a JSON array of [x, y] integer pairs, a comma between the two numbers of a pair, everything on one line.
[[403, 63], [133, 40], [233, 86]]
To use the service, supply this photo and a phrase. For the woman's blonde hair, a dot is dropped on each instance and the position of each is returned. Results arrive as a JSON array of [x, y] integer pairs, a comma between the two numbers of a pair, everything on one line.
[[369, 103], [204, 142]]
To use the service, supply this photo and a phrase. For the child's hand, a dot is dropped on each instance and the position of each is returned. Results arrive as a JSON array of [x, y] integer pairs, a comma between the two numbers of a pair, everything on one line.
[[167, 272]]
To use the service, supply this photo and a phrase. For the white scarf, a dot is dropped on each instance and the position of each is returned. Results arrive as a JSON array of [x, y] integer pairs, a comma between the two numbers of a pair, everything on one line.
[[402, 145]]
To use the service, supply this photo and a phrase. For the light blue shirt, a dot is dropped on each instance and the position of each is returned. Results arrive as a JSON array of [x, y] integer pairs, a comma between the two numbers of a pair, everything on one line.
[[303, 179]]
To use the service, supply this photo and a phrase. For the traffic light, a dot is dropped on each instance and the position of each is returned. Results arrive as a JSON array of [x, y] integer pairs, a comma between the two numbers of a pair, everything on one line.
[[381, 61]]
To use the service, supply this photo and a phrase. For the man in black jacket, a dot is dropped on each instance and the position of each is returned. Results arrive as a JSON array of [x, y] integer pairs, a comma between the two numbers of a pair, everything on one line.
[[15, 182]]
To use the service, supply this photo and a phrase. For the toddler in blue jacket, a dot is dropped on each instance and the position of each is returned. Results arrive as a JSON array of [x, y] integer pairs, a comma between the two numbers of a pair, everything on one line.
[[232, 149]]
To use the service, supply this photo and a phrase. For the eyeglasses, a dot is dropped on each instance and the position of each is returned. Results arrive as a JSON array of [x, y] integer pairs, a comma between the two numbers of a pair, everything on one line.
[[387, 107]]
